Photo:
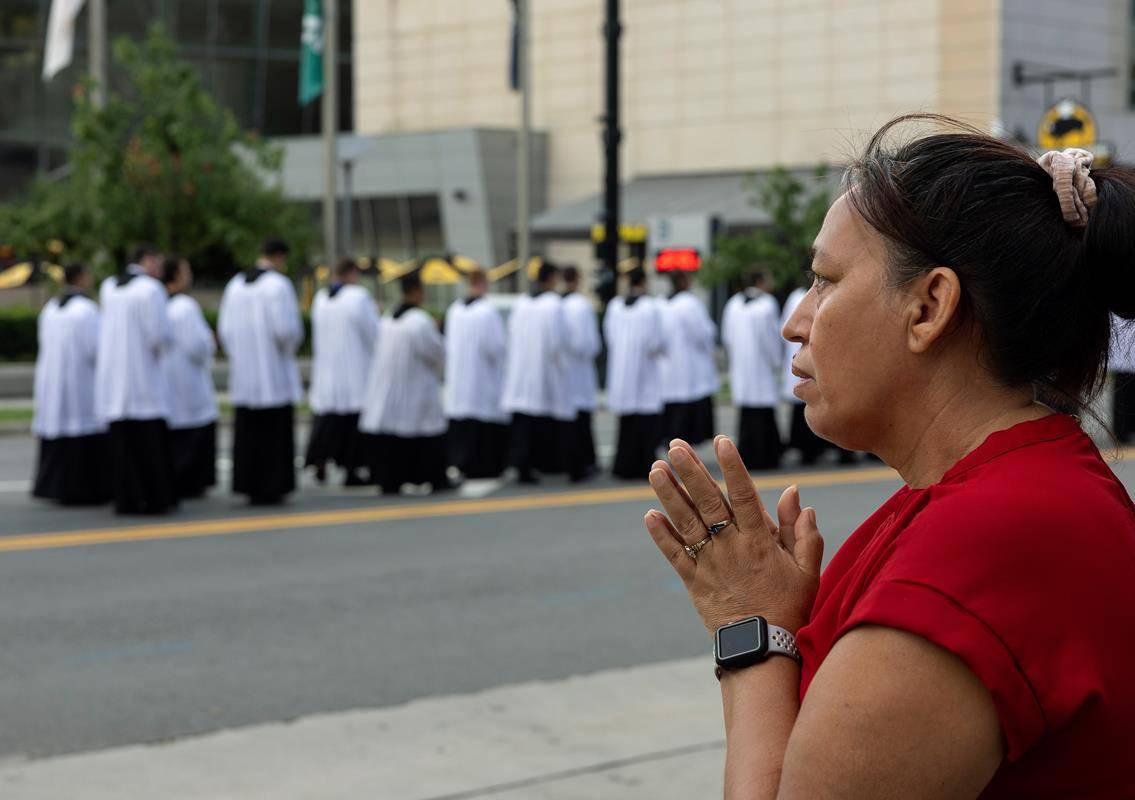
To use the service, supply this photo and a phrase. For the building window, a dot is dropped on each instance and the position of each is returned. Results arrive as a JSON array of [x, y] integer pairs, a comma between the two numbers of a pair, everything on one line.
[[398, 228], [246, 51]]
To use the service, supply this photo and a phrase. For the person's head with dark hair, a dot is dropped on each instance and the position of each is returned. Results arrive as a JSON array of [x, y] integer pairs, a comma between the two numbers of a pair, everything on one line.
[[680, 280], [274, 253], [757, 278], [76, 276], [478, 280], [636, 279], [413, 293], [546, 277], [571, 278], [177, 275], [149, 258], [952, 288], [346, 271]]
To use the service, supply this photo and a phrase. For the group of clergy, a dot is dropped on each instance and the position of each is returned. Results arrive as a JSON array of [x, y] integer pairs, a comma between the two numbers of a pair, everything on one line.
[[125, 406], [126, 409]]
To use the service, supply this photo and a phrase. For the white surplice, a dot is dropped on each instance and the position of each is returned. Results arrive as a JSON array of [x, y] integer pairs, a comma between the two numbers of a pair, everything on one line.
[[734, 303], [344, 328], [403, 396], [688, 370], [476, 348], [188, 365], [64, 389], [755, 347], [583, 347], [536, 377], [134, 332], [636, 347], [1122, 355], [260, 327], [789, 380]]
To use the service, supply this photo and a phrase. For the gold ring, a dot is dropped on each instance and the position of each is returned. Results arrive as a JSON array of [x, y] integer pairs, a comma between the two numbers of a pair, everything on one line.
[[693, 549]]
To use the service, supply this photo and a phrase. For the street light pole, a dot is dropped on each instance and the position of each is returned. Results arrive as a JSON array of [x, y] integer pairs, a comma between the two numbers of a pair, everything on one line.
[[330, 127], [523, 160], [96, 51], [611, 138]]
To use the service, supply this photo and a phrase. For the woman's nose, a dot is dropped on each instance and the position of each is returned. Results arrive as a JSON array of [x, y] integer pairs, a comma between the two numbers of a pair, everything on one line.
[[799, 324]]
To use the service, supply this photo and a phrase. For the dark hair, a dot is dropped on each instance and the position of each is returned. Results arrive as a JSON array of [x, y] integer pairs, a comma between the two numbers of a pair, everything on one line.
[[637, 277], [170, 268], [141, 250], [410, 283], [547, 272], [345, 267], [755, 277], [73, 272], [1037, 290], [680, 280], [275, 246], [571, 273]]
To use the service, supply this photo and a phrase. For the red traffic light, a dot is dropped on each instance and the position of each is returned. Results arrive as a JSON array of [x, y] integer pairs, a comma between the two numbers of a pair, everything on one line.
[[677, 260]]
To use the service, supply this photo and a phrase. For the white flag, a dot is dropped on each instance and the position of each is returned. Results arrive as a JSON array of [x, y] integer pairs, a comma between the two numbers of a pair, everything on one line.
[[60, 36]]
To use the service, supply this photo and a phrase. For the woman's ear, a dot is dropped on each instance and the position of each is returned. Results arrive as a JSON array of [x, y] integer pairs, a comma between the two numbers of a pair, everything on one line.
[[933, 302]]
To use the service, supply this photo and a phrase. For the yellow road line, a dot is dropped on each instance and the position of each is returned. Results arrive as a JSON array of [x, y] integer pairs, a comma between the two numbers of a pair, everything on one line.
[[452, 508]]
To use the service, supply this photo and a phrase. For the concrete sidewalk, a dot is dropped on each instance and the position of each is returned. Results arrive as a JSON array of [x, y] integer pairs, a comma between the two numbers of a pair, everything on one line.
[[648, 732]]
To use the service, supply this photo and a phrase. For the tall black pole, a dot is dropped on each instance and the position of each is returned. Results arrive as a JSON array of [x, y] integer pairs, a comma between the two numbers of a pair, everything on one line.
[[611, 138]]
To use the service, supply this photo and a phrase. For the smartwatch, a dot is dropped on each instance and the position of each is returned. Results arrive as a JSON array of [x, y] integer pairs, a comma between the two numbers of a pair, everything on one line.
[[750, 641]]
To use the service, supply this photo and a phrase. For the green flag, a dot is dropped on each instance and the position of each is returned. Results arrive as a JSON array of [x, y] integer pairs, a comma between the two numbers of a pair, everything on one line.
[[311, 52]]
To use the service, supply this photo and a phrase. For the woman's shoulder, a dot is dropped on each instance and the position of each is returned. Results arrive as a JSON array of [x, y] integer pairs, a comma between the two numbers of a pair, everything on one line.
[[1040, 494]]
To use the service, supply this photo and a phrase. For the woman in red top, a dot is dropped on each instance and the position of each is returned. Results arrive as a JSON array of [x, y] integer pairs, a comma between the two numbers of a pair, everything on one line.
[[976, 636]]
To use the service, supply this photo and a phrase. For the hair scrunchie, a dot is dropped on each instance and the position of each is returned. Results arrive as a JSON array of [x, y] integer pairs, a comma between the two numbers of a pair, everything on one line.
[[1073, 185]]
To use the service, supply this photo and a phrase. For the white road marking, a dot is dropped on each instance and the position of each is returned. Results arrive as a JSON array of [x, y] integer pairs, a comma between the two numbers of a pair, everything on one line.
[[480, 488]]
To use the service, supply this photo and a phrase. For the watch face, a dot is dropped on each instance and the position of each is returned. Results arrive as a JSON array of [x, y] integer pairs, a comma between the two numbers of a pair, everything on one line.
[[740, 638]]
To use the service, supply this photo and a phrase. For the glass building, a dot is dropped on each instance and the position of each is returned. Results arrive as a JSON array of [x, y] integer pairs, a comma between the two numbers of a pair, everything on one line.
[[247, 52]]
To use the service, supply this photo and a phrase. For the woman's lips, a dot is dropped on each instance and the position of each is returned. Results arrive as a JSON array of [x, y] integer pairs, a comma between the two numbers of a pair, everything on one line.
[[805, 380]]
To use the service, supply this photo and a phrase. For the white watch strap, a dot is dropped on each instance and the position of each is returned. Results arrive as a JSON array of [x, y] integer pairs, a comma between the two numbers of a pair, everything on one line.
[[783, 643]]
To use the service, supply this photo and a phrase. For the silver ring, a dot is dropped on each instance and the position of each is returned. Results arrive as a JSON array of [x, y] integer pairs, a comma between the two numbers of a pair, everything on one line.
[[718, 527]]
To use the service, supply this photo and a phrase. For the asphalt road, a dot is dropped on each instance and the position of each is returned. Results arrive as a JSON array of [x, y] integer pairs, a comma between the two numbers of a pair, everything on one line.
[[340, 600]]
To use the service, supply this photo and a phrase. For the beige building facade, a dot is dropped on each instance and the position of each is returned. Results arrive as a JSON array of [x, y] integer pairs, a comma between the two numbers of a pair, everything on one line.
[[708, 85]]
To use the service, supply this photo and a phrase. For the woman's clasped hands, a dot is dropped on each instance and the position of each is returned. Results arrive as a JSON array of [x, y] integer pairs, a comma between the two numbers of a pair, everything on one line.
[[751, 565]]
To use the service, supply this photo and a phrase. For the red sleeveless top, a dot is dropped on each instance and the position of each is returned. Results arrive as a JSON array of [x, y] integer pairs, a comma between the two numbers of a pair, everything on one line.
[[1021, 561]]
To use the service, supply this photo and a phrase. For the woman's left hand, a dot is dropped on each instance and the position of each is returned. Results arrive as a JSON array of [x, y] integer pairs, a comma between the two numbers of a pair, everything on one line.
[[755, 565]]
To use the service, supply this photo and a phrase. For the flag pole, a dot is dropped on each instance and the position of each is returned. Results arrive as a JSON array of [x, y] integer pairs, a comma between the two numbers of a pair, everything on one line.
[[523, 161], [330, 128], [96, 51]]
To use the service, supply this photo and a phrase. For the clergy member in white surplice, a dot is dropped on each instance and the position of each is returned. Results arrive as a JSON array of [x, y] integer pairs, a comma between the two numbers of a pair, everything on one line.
[[751, 335], [689, 374], [476, 346], [536, 389], [261, 329], [72, 467], [583, 345], [636, 346], [188, 366], [131, 395], [344, 328], [402, 414]]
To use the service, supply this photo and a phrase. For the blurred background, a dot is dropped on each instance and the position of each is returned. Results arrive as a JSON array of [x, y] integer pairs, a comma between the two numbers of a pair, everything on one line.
[[512, 642]]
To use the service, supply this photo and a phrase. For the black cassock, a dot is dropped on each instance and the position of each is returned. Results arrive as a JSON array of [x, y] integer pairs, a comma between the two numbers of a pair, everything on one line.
[[264, 453]]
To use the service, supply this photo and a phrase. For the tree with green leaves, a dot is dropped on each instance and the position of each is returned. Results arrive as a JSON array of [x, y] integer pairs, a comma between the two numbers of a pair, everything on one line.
[[162, 162], [796, 210]]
